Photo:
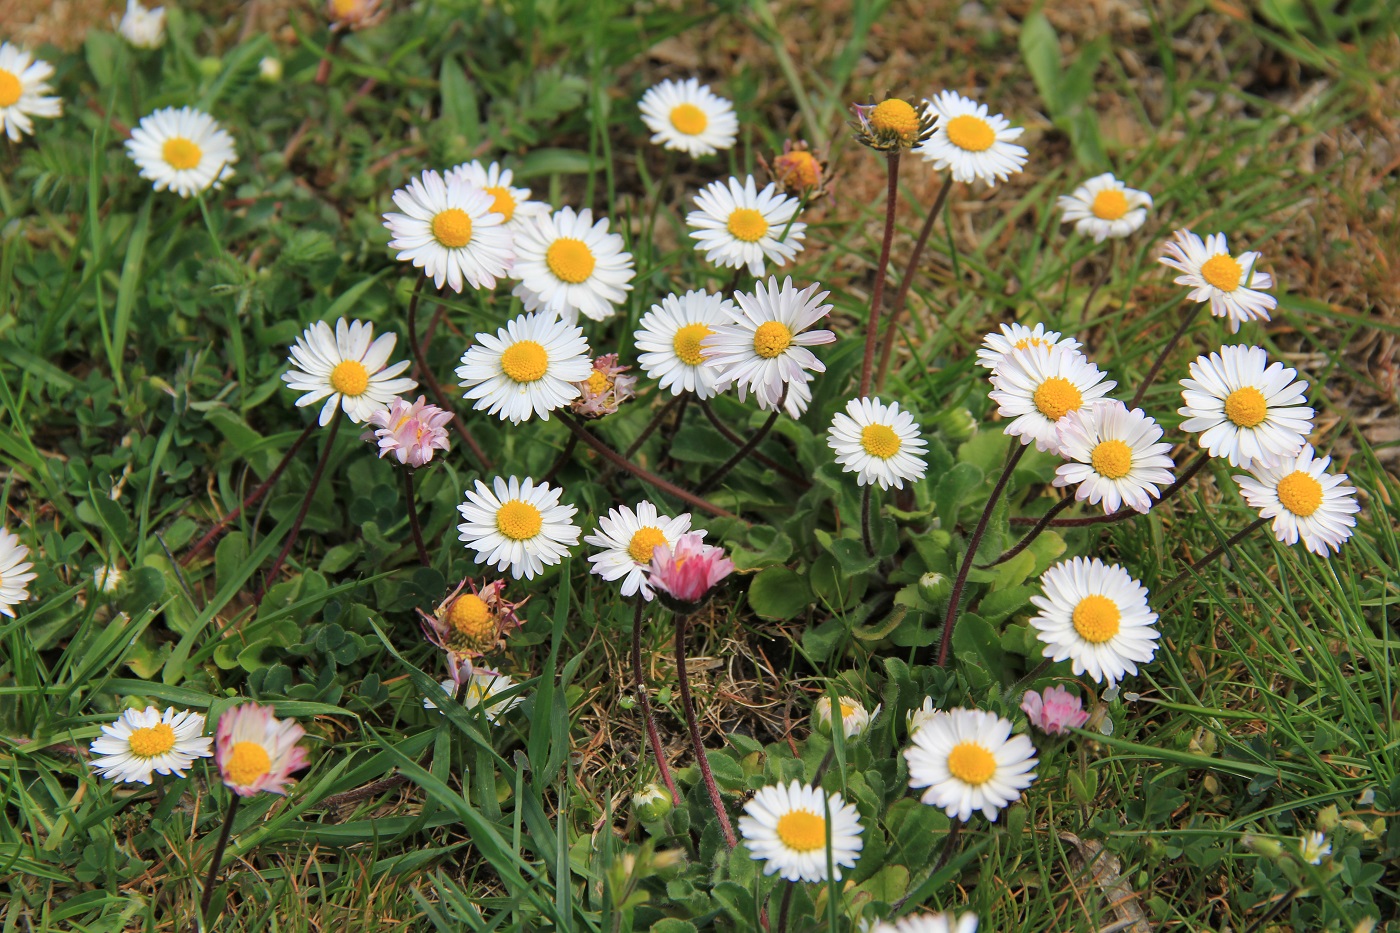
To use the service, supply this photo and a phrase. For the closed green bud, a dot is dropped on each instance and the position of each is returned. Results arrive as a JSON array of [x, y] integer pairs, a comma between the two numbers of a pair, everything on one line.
[[210, 66], [651, 803]]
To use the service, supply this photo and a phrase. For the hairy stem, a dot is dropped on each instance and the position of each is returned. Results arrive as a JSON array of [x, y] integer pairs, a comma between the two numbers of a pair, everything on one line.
[[757, 455], [748, 447], [439, 396], [1186, 323], [1034, 533], [1199, 565], [688, 704], [865, 536], [887, 345], [305, 504], [644, 701], [407, 473], [217, 858], [877, 293], [1122, 514]]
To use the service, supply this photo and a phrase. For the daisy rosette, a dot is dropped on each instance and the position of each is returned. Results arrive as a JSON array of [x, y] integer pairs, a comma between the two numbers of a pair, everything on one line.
[[629, 539], [184, 151], [467, 625], [1010, 337], [669, 339], [968, 761], [514, 524], [1114, 456], [605, 389], [1036, 387], [1305, 501], [878, 442], [1103, 208], [791, 828], [1096, 616], [347, 368], [15, 574], [146, 741], [411, 431], [143, 28], [684, 574], [529, 367], [479, 687], [567, 264], [891, 125], [1246, 409], [451, 230], [929, 923], [1228, 282], [512, 203], [855, 719], [256, 752], [688, 117], [970, 142], [1055, 711], [737, 225], [24, 90]]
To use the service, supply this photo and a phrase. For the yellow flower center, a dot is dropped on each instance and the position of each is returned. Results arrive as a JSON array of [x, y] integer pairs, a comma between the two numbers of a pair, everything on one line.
[[802, 830], [470, 616], [570, 259], [1300, 493], [1109, 204], [1223, 272], [503, 202], [748, 225], [1113, 459], [971, 134], [1031, 342], [345, 7], [686, 343], [1246, 407], [689, 119], [799, 168], [646, 540], [452, 228], [598, 383], [247, 763], [895, 116], [350, 378], [1096, 619], [972, 764], [1057, 397], [10, 89], [519, 520], [847, 710], [181, 154], [524, 361], [152, 740], [879, 440], [771, 338]]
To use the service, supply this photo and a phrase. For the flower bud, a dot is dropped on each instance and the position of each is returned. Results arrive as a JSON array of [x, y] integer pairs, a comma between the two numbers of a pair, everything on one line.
[[651, 803]]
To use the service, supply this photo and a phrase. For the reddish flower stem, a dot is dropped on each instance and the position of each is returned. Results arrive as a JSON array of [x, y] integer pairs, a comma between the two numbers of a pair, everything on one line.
[[439, 396], [877, 292], [887, 349], [693, 724], [644, 701], [1195, 568], [305, 505], [417, 529]]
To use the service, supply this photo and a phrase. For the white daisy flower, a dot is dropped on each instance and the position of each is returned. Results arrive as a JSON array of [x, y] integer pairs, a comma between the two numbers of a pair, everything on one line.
[[1104, 207], [737, 225], [24, 82], [969, 761], [1304, 500], [484, 689], [349, 367], [1039, 385], [669, 338], [108, 578], [1228, 282], [855, 719], [568, 264], [628, 537], [14, 572], [878, 442], [929, 923], [1096, 615], [184, 151], [970, 143], [916, 719], [787, 827], [688, 117], [513, 204], [520, 525], [450, 229], [1246, 409], [1313, 847], [1017, 337], [143, 28], [764, 348], [529, 367], [1114, 456], [143, 741]]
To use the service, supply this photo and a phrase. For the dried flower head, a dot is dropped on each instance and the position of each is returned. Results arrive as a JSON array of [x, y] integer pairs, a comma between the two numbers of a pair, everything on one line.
[[891, 125], [467, 625], [605, 389], [353, 14], [798, 171]]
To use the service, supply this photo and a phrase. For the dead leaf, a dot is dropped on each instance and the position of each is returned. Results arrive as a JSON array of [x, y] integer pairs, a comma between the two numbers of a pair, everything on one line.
[[1107, 872]]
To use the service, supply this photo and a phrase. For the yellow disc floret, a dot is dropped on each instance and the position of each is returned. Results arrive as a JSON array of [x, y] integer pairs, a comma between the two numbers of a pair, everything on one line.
[[1246, 407], [1057, 397], [689, 119], [645, 540], [1109, 204], [452, 228], [1300, 493], [879, 440], [972, 764], [152, 740], [519, 521], [470, 616], [802, 831], [895, 116], [503, 202], [771, 338], [1222, 271], [247, 763], [1112, 459], [1031, 342], [748, 225], [971, 134], [524, 361], [181, 154], [1096, 619], [598, 382], [686, 343], [350, 378], [10, 89], [570, 259]]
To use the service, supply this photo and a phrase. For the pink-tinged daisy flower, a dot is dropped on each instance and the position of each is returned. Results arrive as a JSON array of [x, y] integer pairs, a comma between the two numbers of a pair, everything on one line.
[[1228, 282], [411, 431], [256, 752], [1036, 387], [605, 389], [1055, 711], [688, 572]]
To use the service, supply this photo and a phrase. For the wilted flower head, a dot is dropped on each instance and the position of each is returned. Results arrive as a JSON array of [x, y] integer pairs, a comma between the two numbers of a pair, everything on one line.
[[468, 625], [798, 171], [890, 125], [687, 572], [256, 751], [605, 389], [353, 14], [854, 717], [411, 431], [1055, 711]]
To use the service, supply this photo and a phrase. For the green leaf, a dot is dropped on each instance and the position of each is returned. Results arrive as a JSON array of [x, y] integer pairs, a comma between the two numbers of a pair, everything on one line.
[[1040, 49], [954, 490], [779, 594], [555, 162], [459, 104]]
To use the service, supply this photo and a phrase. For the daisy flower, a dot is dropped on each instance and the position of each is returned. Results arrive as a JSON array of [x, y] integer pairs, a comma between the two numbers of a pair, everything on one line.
[[1104, 207], [688, 117], [1096, 615], [1054, 711], [688, 571], [787, 827], [467, 625], [256, 751], [14, 572], [970, 143], [184, 151], [531, 366], [143, 741], [411, 431], [1039, 385], [23, 84], [1314, 847], [1114, 456], [483, 689], [518, 525], [629, 538], [1246, 409], [929, 923], [855, 719], [1304, 500], [737, 225], [1228, 282], [670, 336], [348, 366], [969, 761], [450, 229], [568, 264], [996, 345], [891, 125], [878, 442], [513, 204], [143, 28]]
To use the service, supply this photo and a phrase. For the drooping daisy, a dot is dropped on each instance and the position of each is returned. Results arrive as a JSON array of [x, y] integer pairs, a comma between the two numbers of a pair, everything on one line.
[[14, 572], [878, 442], [349, 367], [24, 82], [628, 539], [996, 345], [688, 117], [969, 142], [1104, 207], [1114, 456], [670, 336], [929, 923], [143, 741], [737, 225], [855, 719], [1228, 282], [1096, 615], [483, 688], [450, 229], [511, 203], [411, 431], [143, 28], [1246, 409], [256, 752], [1304, 500], [786, 826], [520, 525], [568, 264], [1313, 847], [529, 367], [1039, 385], [184, 151], [969, 761], [467, 625]]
